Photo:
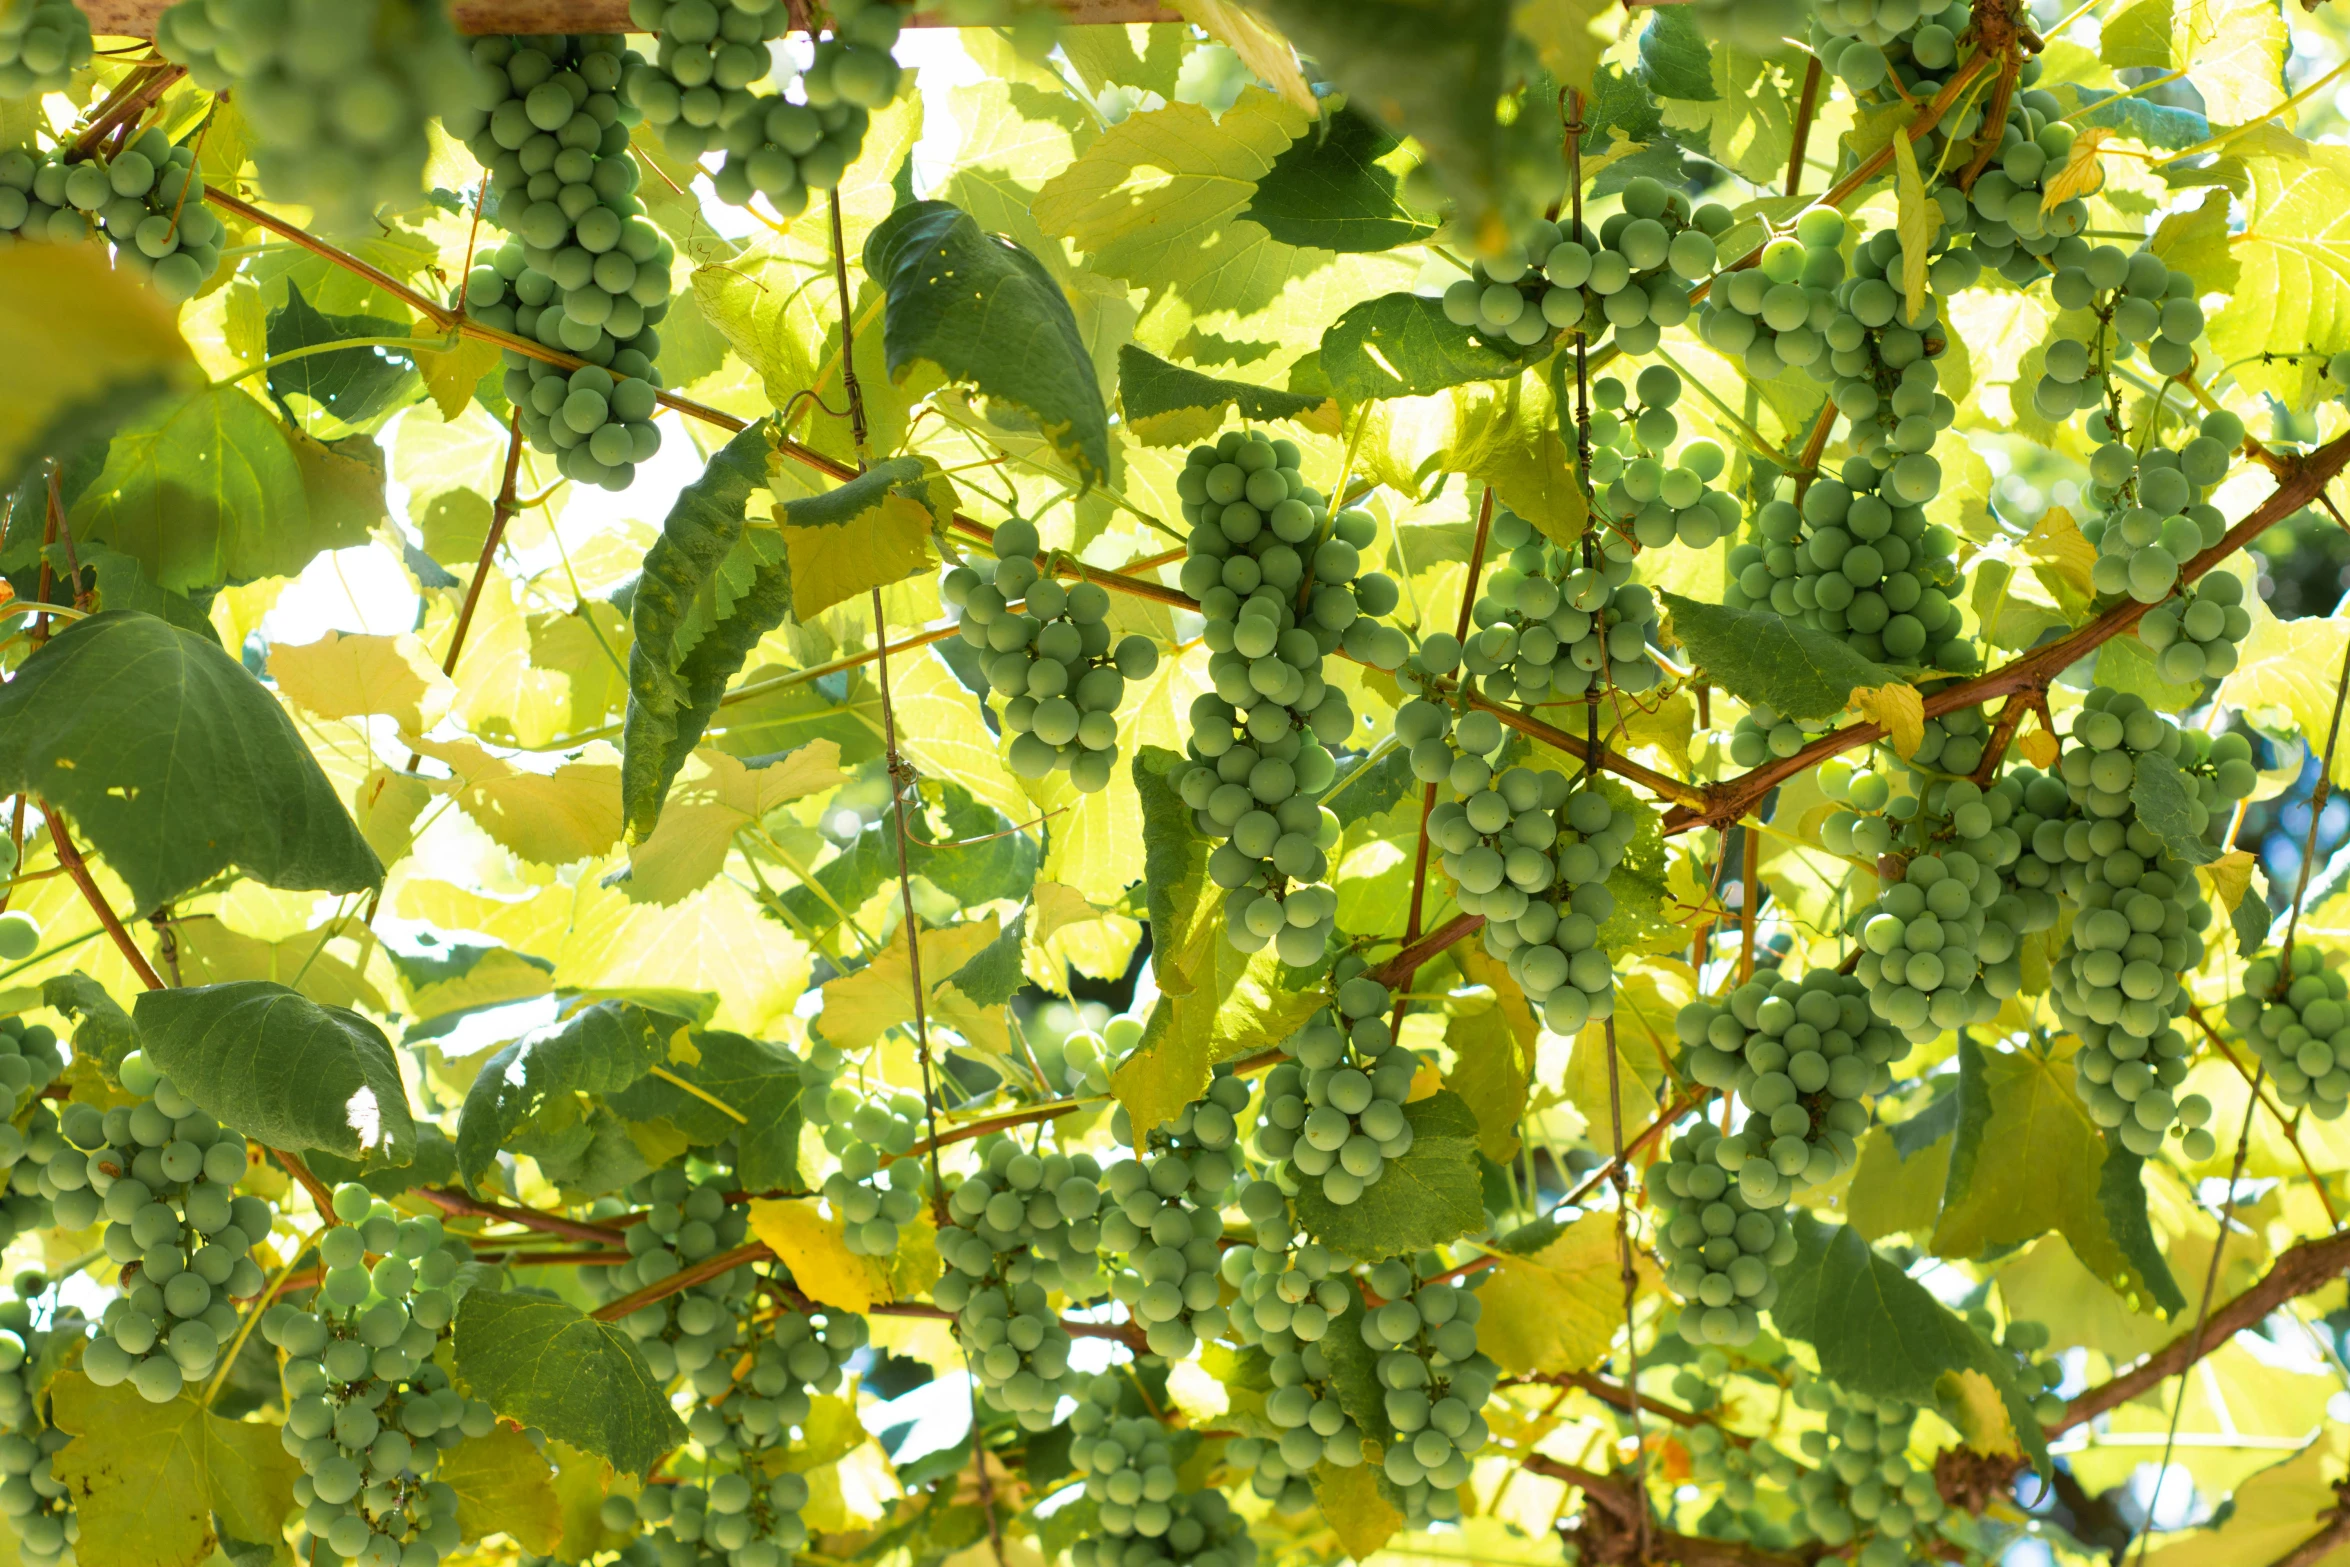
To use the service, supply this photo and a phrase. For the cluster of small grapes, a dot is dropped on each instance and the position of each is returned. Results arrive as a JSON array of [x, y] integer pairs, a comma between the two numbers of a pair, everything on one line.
[[1436, 1382], [2011, 190], [1079, 1061], [1761, 734], [1050, 661], [1865, 1483], [42, 43], [1640, 488], [1314, 1429], [1887, 383], [1258, 552], [2039, 1377], [38, 1505], [2194, 636], [1289, 1293], [877, 1187], [690, 1333], [1145, 1515], [583, 272], [2155, 518], [1552, 628], [1022, 1226], [1857, 39], [1939, 945], [1333, 1112], [2039, 874], [164, 1175], [1737, 1468], [369, 1411], [1633, 274], [1800, 1054], [1719, 1250], [727, 1520], [2297, 1021], [700, 90], [337, 95], [29, 1142], [149, 202], [1166, 1215], [2140, 300], [1859, 561]]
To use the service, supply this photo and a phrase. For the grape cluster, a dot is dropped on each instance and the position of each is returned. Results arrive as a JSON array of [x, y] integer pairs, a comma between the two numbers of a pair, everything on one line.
[[29, 1142], [1050, 661], [1312, 1429], [1865, 1483], [1022, 1226], [687, 1334], [740, 1517], [1435, 1382], [1550, 627], [148, 201], [337, 94], [1289, 1294], [1939, 944], [1333, 1111], [2009, 197], [1165, 1214], [163, 1174], [2026, 1341], [1716, 1460], [2194, 636], [1633, 274], [1718, 1249], [877, 1187], [39, 1507], [42, 43], [369, 1410], [1800, 1054], [2297, 1020], [582, 272], [1641, 488], [2157, 519], [2138, 300], [1145, 1516], [1279, 593], [1079, 1061], [1761, 734], [1858, 561]]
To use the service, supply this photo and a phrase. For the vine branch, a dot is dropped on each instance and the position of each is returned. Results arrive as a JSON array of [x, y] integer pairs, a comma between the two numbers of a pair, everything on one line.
[[70, 856]]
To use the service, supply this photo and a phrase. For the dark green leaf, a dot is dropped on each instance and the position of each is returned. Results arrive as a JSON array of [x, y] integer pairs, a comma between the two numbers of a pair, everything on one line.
[[1663, 159], [988, 314], [123, 583], [1926, 1128], [992, 976], [1765, 658], [2166, 805], [2121, 1193], [353, 384], [100, 721], [1619, 103], [972, 872], [280, 1068], [758, 1082], [599, 1050], [539, 1362], [2250, 920], [433, 1164], [1401, 345], [102, 1030], [1328, 191], [1174, 866], [1431, 1195], [687, 646], [2140, 119], [1372, 789], [1878, 1331], [1675, 59], [1354, 1372], [1168, 404]]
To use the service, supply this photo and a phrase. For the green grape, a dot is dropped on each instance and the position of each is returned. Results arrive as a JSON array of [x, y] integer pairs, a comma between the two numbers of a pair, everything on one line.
[[2194, 636], [2155, 521], [1049, 657], [148, 202], [1864, 1488], [1632, 275], [879, 1186], [2296, 1015], [1017, 1228], [42, 43], [1312, 1428], [336, 98], [1334, 1112], [2035, 1373], [1164, 1212], [1551, 628], [39, 1505], [1435, 1381], [1290, 1290], [1643, 489], [1761, 734], [1719, 1250], [1939, 942], [1145, 1517], [688, 1334]]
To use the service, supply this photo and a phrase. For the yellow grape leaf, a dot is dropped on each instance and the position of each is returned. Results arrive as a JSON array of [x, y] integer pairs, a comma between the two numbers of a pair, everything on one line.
[[214, 953], [1978, 1411], [2230, 876], [1899, 709], [982, 1028], [1360, 1517], [2234, 51], [1668, 726], [2289, 666], [831, 1432], [2081, 175], [581, 1483], [496, 978], [553, 818], [1559, 1309], [341, 676], [811, 1245], [149, 1479], [719, 796], [834, 562], [2269, 1514], [77, 329], [504, 1487], [1570, 35], [451, 378], [1917, 218], [2039, 747], [859, 1008], [1493, 1054], [2059, 552], [1427, 1083], [1266, 53], [914, 1267], [1056, 906]]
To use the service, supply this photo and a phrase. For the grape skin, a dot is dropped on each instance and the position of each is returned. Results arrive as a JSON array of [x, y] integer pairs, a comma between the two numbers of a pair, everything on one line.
[[148, 202], [42, 43], [1720, 1252], [1632, 275], [1145, 1517], [2158, 521], [1164, 1211], [1864, 1485], [2139, 303], [1436, 1382], [878, 1188], [1551, 627], [39, 1506], [1021, 1226], [2297, 1021], [1333, 1112]]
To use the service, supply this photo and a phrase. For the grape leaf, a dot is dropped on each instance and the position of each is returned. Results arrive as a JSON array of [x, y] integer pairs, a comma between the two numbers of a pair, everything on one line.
[[1878, 1331], [1431, 1195], [1556, 1308], [281, 1068], [159, 1485], [992, 976], [867, 533], [2164, 799], [1401, 345], [1183, 914], [675, 679], [433, 1164], [354, 384], [598, 1050], [2121, 1197], [1332, 190], [2140, 119], [988, 314], [742, 1091], [1241, 1003], [89, 348], [1170, 404], [2292, 292], [1761, 657], [103, 1032], [504, 1486], [1676, 61], [539, 1362], [95, 721]]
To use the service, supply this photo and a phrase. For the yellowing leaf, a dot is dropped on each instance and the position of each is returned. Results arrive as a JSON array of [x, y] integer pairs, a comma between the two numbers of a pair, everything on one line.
[[717, 797], [2291, 294], [1978, 1411], [834, 562], [341, 676], [2039, 747], [505, 1487], [2234, 51], [148, 1480], [1917, 219], [2229, 876], [581, 1483], [1266, 53], [1362, 1519], [1559, 1309], [451, 378], [861, 1007], [1493, 1054], [2060, 552], [1570, 35], [553, 818], [2081, 175], [811, 1245], [1898, 709], [77, 330]]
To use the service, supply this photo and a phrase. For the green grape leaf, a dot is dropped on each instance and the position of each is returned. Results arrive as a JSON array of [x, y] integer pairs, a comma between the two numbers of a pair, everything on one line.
[[434, 1163], [993, 975], [1354, 1372], [2125, 664], [539, 1362], [2140, 119], [279, 1067], [739, 1090], [2027, 1159], [1170, 404], [1183, 911], [160, 1485], [2196, 241], [987, 314], [1240, 1003], [2165, 801], [1002, 866], [2292, 291], [598, 1050], [2121, 1197], [1335, 189], [124, 584], [1401, 345], [354, 384], [97, 719], [1878, 1331], [867, 533], [103, 1032], [1431, 1195], [1371, 788], [1762, 657], [504, 1486], [675, 678], [2250, 919], [1638, 922], [2138, 37], [1676, 61]]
